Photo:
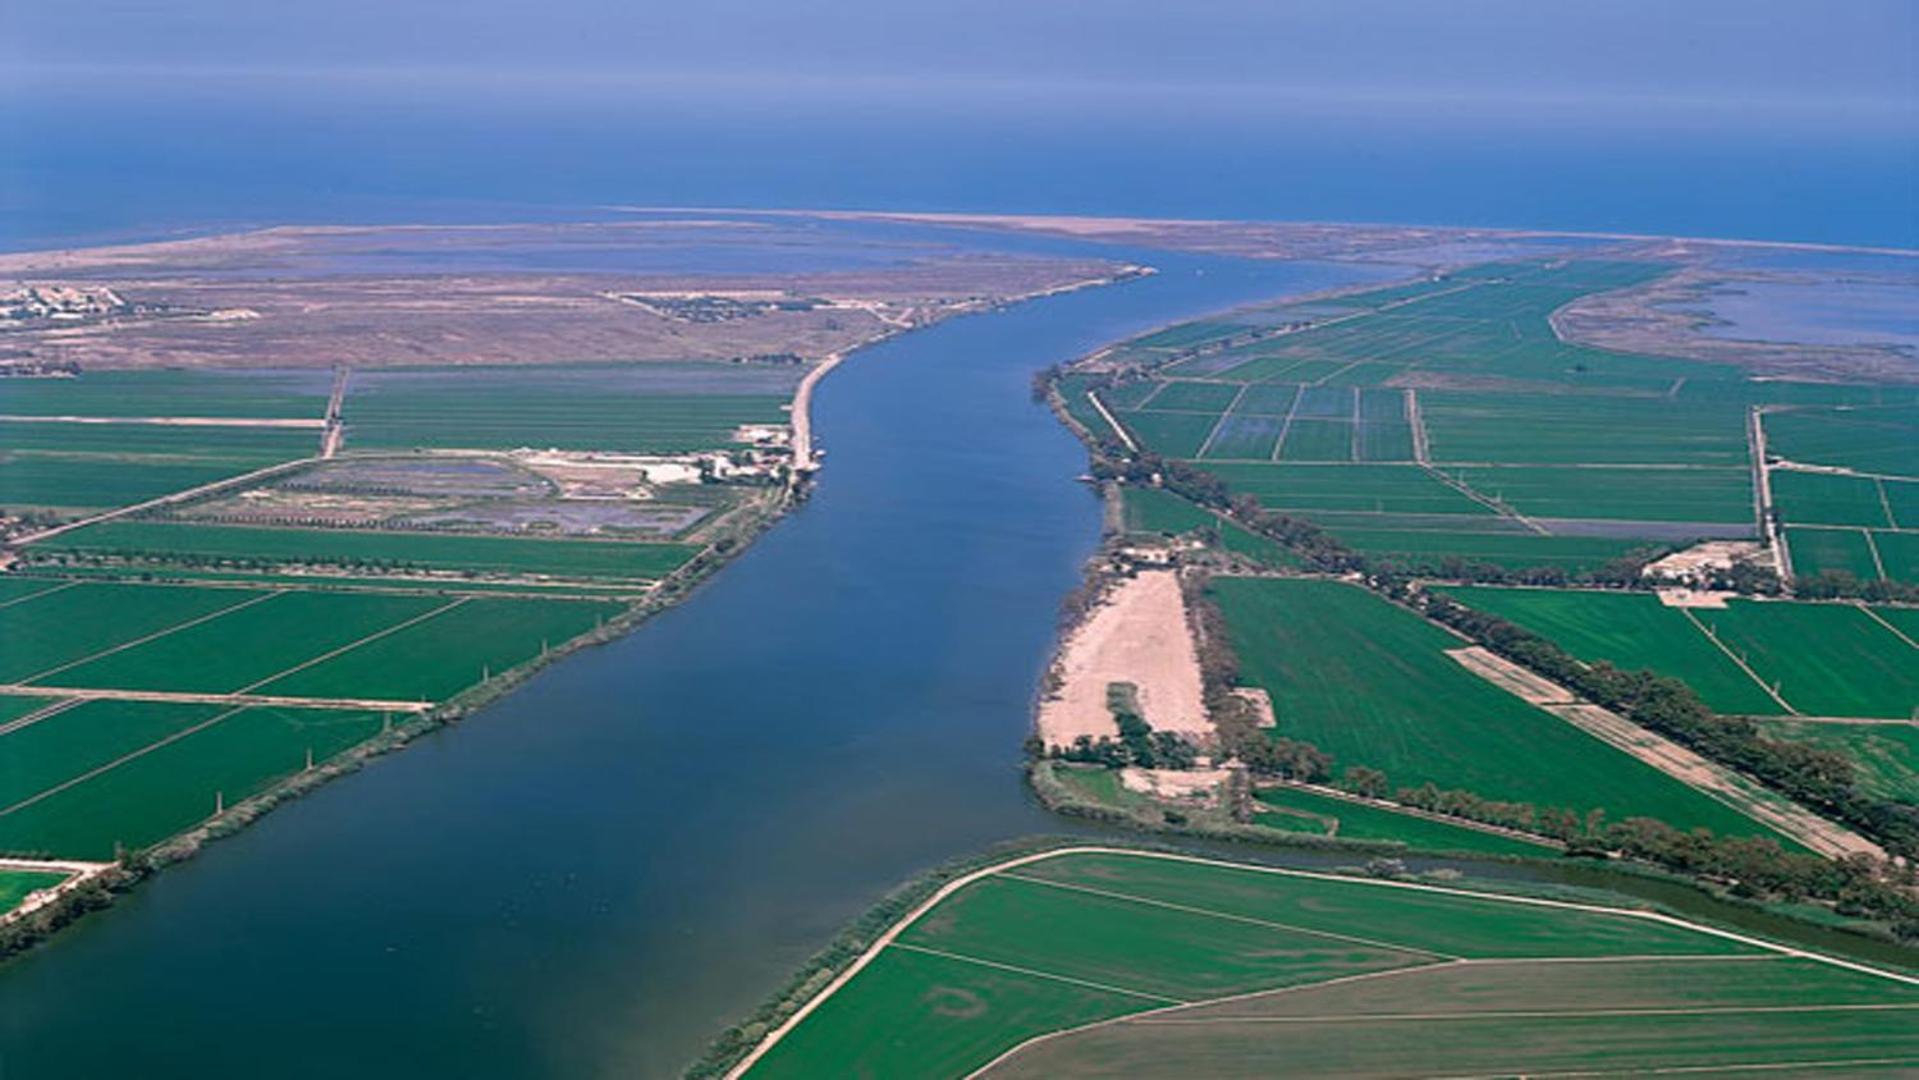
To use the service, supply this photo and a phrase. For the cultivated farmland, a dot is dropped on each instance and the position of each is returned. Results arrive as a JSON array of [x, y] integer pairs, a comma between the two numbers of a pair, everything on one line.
[[1171, 965], [166, 663], [1372, 685]]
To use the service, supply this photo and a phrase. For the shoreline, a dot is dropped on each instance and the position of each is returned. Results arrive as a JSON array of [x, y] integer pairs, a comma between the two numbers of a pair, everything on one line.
[[1061, 223]]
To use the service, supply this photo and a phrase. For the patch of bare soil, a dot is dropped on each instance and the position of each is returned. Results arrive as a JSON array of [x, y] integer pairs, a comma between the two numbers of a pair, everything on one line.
[[1138, 634]]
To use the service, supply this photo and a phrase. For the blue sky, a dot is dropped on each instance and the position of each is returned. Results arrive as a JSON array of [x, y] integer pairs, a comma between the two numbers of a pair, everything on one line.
[[1846, 62]]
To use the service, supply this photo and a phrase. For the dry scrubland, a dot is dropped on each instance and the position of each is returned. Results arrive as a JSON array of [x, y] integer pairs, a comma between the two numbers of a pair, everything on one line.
[[374, 296], [1098, 963]]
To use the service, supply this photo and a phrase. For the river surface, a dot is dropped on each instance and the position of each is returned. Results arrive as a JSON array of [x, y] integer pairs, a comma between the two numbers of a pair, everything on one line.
[[597, 874]]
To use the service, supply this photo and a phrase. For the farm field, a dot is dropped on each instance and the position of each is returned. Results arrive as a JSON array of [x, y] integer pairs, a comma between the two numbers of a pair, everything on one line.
[[1430, 549], [1373, 685], [179, 665], [1455, 400], [1326, 815], [89, 775], [650, 408], [1817, 551], [1214, 959], [455, 646], [1806, 498], [173, 541], [17, 885], [1885, 757], [1825, 659], [1869, 439], [1631, 631], [175, 764], [256, 393]]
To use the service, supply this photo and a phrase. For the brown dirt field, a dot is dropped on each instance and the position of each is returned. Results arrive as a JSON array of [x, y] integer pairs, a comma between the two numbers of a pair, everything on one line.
[[1138, 634]]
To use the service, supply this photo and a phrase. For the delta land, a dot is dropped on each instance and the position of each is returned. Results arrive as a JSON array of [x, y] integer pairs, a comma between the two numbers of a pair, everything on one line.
[[1529, 557]]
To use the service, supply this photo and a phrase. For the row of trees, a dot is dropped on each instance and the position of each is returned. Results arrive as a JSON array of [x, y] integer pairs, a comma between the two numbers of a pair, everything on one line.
[[1839, 584], [1818, 778]]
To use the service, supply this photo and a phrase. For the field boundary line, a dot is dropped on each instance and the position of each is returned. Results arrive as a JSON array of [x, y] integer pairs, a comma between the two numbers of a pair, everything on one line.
[[1676, 1070], [37, 715], [290, 701], [1169, 905], [1876, 617], [1872, 546], [1112, 421], [1422, 446], [1286, 425], [1885, 504], [1495, 505], [1521, 1014], [773, 1037], [1737, 659], [156, 635], [119, 761], [38, 595], [1038, 974], [325, 656]]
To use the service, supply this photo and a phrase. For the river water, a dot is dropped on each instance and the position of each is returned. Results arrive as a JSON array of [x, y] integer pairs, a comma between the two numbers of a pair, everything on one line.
[[597, 874]]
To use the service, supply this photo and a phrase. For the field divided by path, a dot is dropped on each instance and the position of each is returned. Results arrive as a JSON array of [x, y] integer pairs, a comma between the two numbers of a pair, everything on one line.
[[1115, 963], [1372, 684], [138, 764], [1418, 422]]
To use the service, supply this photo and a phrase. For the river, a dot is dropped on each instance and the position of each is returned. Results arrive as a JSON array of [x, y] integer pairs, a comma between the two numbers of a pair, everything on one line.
[[597, 874]]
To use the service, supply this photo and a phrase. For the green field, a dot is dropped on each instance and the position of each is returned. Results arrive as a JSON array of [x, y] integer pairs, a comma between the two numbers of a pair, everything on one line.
[[1816, 551], [61, 626], [201, 392], [1885, 756], [1371, 684], [1807, 498], [1631, 631], [1243, 968], [642, 408], [63, 483], [104, 774], [1588, 428], [249, 645], [1430, 549], [165, 541], [15, 885], [1872, 439], [1825, 659], [1706, 494], [437, 657], [1348, 820]]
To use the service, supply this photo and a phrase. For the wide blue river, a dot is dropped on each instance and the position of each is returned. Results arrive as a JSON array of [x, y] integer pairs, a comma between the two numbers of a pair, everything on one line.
[[597, 874]]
